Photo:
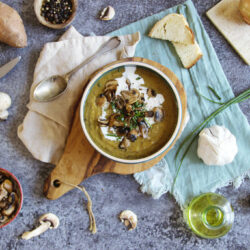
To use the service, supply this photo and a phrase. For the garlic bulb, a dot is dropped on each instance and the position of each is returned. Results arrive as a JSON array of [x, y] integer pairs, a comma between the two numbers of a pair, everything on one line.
[[217, 146], [5, 103]]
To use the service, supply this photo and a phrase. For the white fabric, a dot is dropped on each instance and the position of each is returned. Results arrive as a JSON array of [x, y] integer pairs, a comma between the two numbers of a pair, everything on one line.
[[46, 126]]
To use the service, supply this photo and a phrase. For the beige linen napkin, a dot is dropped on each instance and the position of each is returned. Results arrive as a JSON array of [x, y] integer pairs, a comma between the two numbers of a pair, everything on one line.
[[46, 125]]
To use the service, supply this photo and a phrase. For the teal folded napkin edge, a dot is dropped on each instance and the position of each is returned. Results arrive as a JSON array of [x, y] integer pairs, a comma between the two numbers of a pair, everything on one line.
[[194, 177]]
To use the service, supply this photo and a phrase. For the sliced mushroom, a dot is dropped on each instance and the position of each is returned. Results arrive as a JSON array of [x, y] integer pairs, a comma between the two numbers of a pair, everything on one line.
[[149, 113], [3, 192], [114, 122], [3, 204], [119, 102], [7, 184], [124, 144], [128, 82], [158, 114], [47, 221], [103, 122], [110, 95], [128, 108], [129, 218], [130, 96], [101, 100], [3, 219], [13, 198], [151, 93], [132, 135], [142, 97], [121, 131], [9, 210], [143, 129], [111, 85]]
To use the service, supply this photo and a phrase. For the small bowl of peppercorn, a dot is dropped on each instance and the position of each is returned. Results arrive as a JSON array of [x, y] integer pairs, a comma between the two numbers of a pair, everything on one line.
[[55, 14]]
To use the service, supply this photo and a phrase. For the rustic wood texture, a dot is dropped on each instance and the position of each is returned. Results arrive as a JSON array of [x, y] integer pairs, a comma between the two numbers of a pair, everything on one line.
[[226, 17], [80, 160]]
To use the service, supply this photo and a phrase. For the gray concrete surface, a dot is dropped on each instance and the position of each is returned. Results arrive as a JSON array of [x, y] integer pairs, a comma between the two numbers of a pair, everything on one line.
[[160, 221]]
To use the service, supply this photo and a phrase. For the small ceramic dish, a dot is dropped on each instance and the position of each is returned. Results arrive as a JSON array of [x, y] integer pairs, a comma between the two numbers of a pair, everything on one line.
[[132, 62], [38, 6], [11, 196]]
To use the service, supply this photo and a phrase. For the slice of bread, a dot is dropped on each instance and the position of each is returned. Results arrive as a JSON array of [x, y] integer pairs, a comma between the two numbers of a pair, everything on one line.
[[174, 28], [189, 54]]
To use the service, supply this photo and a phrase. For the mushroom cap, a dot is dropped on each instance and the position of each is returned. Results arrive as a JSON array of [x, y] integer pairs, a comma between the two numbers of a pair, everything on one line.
[[52, 218]]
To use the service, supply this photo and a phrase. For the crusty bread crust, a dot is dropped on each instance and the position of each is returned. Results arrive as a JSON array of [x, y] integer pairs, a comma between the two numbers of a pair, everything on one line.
[[195, 61], [156, 32]]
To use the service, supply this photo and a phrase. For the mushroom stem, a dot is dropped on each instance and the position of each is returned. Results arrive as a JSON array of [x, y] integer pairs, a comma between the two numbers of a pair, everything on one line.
[[39, 230]]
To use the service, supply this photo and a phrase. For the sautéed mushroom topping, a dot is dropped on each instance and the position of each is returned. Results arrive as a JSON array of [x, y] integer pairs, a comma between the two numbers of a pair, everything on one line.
[[129, 109]]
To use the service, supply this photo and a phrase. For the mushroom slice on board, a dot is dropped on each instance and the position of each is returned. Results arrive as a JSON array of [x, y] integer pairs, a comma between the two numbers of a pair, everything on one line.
[[47, 221], [129, 218]]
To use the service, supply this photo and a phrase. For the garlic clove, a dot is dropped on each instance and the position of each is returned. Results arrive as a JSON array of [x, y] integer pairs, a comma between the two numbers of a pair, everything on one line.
[[4, 115], [107, 13], [5, 101]]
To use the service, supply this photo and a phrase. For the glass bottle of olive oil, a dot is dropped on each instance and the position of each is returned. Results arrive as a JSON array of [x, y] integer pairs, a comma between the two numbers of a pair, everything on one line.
[[209, 215]]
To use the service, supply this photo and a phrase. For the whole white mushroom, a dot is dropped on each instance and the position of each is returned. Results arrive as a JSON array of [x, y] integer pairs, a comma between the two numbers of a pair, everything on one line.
[[217, 146], [5, 103]]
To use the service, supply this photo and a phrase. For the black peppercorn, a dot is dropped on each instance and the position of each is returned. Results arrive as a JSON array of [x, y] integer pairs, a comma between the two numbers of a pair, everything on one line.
[[56, 11]]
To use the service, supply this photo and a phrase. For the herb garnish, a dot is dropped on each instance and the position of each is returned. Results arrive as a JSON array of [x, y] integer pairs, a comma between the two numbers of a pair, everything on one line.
[[114, 135], [138, 78]]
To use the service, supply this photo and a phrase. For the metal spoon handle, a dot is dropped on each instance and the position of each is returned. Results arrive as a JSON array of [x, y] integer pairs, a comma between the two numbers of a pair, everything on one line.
[[111, 44]]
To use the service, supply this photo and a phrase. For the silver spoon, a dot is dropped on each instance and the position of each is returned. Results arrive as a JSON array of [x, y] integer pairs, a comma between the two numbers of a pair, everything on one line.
[[54, 86]]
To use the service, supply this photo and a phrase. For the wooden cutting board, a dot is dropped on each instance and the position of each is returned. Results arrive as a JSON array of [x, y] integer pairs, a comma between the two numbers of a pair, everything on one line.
[[226, 17], [80, 160]]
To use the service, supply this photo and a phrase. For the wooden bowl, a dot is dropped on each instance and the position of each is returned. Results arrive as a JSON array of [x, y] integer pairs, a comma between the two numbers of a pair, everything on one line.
[[18, 190], [42, 20], [147, 64]]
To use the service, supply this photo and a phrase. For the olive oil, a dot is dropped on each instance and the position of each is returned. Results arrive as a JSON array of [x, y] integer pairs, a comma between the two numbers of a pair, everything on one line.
[[209, 215]]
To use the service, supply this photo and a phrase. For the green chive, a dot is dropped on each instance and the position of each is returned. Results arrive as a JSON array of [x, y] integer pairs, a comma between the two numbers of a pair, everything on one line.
[[214, 92], [221, 103], [138, 78]]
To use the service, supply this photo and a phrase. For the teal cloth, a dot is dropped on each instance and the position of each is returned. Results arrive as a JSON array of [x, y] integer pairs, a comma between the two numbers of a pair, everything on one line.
[[194, 177]]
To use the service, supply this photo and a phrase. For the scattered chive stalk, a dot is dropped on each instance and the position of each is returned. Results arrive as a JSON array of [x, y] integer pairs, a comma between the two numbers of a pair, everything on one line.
[[214, 92], [210, 100], [243, 96]]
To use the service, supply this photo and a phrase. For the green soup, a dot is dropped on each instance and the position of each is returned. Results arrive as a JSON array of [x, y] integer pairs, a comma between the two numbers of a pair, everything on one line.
[[158, 134]]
